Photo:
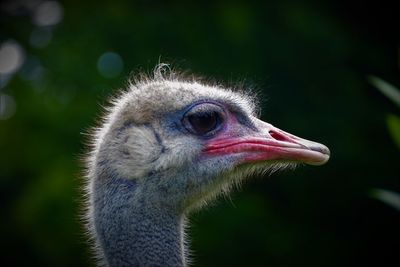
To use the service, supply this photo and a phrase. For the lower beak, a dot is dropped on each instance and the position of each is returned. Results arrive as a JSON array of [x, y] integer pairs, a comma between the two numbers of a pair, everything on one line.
[[270, 143]]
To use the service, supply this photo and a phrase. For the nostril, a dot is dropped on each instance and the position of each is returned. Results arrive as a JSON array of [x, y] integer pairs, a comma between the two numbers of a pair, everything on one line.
[[279, 136]]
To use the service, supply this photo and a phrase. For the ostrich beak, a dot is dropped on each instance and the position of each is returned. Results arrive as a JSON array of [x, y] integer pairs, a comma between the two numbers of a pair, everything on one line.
[[269, 143]]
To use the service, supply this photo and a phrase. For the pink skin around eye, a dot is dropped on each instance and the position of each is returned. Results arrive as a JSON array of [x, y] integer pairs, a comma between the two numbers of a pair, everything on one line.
[[268, 143]]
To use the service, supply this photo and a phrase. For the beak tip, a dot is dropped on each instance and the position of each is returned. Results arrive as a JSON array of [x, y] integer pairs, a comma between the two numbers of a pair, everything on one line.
[[322, 149], [323, 157]]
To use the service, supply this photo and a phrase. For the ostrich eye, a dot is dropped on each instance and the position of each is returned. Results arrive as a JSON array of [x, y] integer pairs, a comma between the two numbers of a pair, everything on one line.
[[204, 119], [203, 122]]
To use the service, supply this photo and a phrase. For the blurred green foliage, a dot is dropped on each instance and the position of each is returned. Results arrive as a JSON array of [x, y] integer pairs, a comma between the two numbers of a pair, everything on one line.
[[393, 122], [390, 91], [308, 61]]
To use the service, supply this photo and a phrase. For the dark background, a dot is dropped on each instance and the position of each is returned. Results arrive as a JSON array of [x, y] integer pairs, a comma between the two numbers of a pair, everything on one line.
[[308, 59]]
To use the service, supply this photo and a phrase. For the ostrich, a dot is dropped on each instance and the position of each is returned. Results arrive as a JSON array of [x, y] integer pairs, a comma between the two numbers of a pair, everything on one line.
[[168, 145]]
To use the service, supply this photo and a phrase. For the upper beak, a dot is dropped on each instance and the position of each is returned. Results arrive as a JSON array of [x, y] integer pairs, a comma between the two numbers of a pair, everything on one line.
[[270, 143]]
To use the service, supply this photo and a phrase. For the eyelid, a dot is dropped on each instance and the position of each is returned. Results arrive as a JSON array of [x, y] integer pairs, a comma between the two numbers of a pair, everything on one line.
[[204, 107]]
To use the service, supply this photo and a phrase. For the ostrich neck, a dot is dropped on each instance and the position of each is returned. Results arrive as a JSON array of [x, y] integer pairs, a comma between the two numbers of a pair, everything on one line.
[[132, 232]]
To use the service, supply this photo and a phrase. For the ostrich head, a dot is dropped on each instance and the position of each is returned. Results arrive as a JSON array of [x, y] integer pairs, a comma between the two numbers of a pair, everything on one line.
[[167, 146]]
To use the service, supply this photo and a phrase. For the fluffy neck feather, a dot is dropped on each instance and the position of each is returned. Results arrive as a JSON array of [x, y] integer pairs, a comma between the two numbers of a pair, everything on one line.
[[132, 232]]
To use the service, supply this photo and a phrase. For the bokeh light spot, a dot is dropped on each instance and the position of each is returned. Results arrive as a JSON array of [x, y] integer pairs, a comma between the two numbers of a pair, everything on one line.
[[34, 72], [40, 37], [110, 64], [7, 106], [11, 57], [48, 13]]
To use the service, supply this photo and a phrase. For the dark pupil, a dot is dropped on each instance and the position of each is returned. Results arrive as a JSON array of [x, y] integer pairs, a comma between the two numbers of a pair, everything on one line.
[[203, 122]]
